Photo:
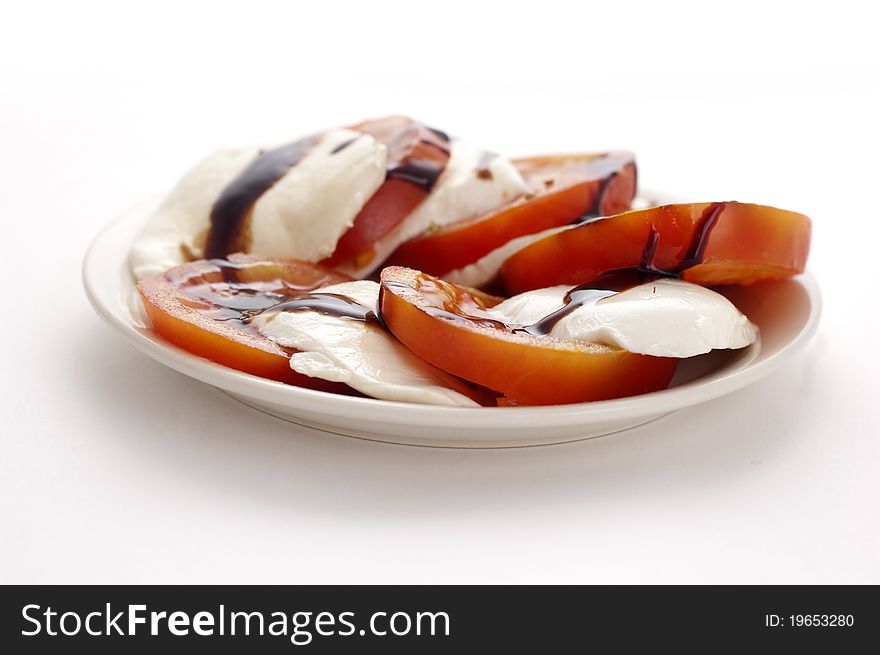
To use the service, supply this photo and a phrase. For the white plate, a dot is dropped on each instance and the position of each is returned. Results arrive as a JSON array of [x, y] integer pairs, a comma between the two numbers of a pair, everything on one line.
[[787, 313]]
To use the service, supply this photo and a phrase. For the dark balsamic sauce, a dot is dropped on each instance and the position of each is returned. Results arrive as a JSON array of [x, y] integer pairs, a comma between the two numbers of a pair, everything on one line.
[[330, 304], [646, 261], [229, 299], [443, 136], [477, 320], [238, 303], [228, 273], [342, 146], [228, 270], [403, 286], [243, 302], [411, 150], [443, 312], [696, 249], [227, 266], [442, 147], [421, 172], [240, 195], [646, 269], [605, 168], [574, 299]]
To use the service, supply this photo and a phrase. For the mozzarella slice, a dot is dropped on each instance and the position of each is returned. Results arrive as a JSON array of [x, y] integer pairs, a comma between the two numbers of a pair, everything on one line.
[[301, 215], [304, 214], [361, 355], [665, 318], [459, 193], [484, 270], [177, 230]]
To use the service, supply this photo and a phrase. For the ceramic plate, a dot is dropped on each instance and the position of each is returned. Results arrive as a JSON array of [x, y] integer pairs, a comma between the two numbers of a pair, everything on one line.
[[787, 313]]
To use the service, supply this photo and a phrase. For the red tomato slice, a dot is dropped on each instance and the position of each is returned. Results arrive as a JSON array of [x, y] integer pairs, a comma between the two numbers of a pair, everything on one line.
[[705, 243], [199, 307], [566, 188], [417, 156], [442, 323]]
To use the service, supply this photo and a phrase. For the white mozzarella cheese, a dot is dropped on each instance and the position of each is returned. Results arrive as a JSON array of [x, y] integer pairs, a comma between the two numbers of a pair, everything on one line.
[[485, 269], [304, 214], [182, 220], [665, 318], [362, 355]]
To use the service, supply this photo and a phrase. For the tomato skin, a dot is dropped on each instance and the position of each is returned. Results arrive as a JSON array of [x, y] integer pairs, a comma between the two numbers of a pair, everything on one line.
[[177, 318], [391, 203], [409, 143], [526, 370], [465, 242], [566, 187], [619, 191], [745, 244], [777, 245]]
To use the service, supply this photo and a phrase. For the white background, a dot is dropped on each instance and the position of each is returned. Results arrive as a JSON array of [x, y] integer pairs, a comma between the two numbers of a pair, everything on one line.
[[114, 469]]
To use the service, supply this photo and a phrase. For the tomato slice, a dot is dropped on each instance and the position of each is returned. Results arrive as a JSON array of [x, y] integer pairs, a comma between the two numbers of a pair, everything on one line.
[[417, 155], [704, 243], [199, 307], [565, 188], [442, 323]]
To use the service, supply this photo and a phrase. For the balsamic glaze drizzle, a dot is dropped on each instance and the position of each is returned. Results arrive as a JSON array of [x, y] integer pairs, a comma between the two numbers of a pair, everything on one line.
[[587, 293], [331, 304], [437, 312], [606, 168], [646, 269], [247, 300], [421, 172], [238, 302], [574, 299], [240, 195], [229, 299], [244, 301], [228, 270], [344, 145], [443, 136], [696, 249]]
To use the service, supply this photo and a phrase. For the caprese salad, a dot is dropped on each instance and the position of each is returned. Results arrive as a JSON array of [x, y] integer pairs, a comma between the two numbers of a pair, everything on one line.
[[389, 260]]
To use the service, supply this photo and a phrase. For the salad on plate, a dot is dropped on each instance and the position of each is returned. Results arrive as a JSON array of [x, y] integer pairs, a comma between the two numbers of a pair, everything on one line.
[[390, 260]]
